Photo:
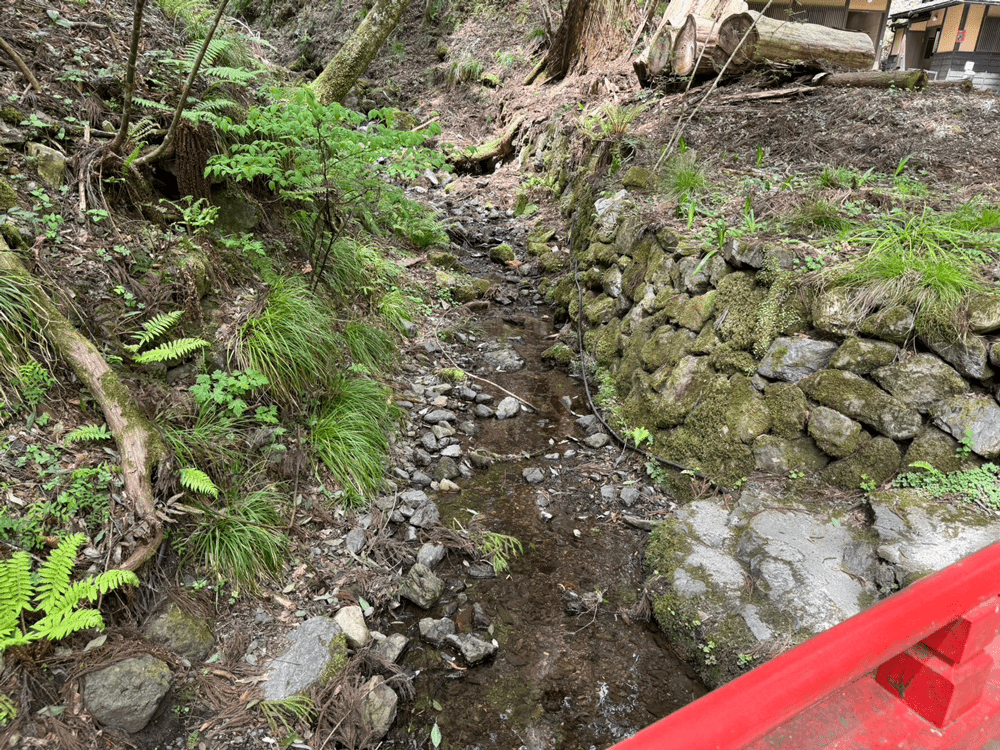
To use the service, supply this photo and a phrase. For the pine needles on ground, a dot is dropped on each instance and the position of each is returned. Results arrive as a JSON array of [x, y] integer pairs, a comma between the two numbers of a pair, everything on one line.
[[349, 434]]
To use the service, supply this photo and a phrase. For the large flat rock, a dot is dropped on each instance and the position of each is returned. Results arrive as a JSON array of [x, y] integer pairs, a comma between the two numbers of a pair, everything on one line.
[[975, 419]]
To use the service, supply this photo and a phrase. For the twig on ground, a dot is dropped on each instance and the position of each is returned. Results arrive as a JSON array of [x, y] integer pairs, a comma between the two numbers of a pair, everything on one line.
[[12, 54]]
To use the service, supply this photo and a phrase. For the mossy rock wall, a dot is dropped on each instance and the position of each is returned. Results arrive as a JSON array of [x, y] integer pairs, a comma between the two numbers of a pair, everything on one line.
[[708, 348]]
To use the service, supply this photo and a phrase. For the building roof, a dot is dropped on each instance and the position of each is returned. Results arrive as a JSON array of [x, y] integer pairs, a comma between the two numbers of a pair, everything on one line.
[[914, 12]]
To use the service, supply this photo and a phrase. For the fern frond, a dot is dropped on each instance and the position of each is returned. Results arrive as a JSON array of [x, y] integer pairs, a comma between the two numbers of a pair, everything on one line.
[[198, 481], [17, 638], [240, 76], [156, 327], [54, 573], [64, 622], [110, 580], [176, 349], [87, 432], [15, 591], [217, 48], [150, 104]]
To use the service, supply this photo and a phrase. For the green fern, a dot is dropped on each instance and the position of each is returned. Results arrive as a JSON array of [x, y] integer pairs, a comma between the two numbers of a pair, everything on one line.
[[240, 76], [198, 481], [153, 329], [87, 432], [176, 349], [54, 596], [150, 104]]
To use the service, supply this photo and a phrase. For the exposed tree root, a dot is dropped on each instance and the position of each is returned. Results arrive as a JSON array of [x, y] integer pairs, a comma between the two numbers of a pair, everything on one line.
[[12, 54], [143, 452]]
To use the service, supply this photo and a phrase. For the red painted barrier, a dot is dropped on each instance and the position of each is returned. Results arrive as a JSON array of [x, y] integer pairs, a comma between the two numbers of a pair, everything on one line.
[[941, 678]]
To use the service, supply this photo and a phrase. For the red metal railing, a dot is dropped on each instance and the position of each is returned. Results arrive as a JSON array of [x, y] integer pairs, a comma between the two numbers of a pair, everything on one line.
[[954, 612]]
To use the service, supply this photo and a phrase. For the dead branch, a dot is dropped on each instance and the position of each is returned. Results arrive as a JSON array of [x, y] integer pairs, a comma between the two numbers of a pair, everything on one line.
[[12, 54]]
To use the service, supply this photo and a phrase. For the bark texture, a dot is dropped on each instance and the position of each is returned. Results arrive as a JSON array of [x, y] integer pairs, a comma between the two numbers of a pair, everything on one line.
[[353, 59], [139, 443], [909, 80], [773, 41]]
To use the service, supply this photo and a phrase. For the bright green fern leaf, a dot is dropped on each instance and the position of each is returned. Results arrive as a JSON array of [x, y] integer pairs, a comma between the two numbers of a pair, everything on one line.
[[154, 328], [87, 432], [176, 349], [198, 481]]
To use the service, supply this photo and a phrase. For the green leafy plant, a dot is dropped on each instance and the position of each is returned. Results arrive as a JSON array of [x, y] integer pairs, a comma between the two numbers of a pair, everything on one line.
[[19, 323], [52, 595], [227, 392], [683, 176], [499, 548], [198, 481], [286, 712], [34, 382], [348, 433], [8, 711], [979, 484], [639, 435], [964, 449], [88, 433]]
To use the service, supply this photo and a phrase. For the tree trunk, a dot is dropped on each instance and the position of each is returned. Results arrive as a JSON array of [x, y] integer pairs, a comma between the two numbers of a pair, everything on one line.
[[353, 59], [908, 80], [772, 41], [484, 158], [142, 450], [656, 58]]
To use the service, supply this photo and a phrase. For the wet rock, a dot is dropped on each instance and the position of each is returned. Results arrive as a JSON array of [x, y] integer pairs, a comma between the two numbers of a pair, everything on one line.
[[479, 618], [447, 468], [463, 393], [473, 649], [504, 360], [355, 540], [835, 434], [792, 359], [429, 441], [426, 515], [481, 570], [855, 397], [969, 355], [435, 631], [127, 694], [482, 411], [608, 493], [420, 479], [863, 356], [430, 554], [378, 711], [452, 451], [484, 398], [440, 415], [352, 621], [480, 460], [921, 381], [508, 408], [596, 441], [875, 462], [391, 647], [532, 475], [469, 428], [629, 496], [180, 631], [421, 586], [978, 415], [421, 457]]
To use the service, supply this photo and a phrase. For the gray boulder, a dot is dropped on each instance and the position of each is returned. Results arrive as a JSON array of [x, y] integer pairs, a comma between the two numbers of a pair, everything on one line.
[[984, 313], [439, 415], [435, 631], [127, 694], [508, 408], [391, 647], [421, 586], [379, 708], [777, 455], [314, 645], [894, 324], [181, 632], [921, 381], [447, 468], [979, 415], [51, 164], [834, 311], [970, 355], [863, 356], [835, 434], [430, 554], [472, 648], [426, 515], [858, 399], [792, 359], [504, 360]]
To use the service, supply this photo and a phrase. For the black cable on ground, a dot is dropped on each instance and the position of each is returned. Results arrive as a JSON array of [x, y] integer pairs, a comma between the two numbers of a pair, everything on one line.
[[593, 408]]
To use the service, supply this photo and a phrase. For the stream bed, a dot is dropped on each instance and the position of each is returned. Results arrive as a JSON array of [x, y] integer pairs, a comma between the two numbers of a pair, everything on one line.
[[573, 670]]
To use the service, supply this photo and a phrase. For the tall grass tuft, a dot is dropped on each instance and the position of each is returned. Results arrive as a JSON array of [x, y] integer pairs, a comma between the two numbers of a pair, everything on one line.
[[683, 176], [19, 323], [368, 346], [241, 541], [291, 341], [349, 433]]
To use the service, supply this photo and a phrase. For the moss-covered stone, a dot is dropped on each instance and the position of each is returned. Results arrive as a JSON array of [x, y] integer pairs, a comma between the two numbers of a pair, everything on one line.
[[941, 451], [559, 353], [789, 409], [502, 253], [707, 342], [737, 303], [536, 249], [554, 261], [984, 313], [11, 115], [665, 347], [777, 455], [599, 311], [541, 234], [639, 178], [876, 461], [444, 260], [13, 237], [835, 311], [606, 344], [674, 391], [858, 399], [8, 198], [465, 292], [483, 285], [835, 434], [729, 360], [895, 324], [863, 356], [696, 311]]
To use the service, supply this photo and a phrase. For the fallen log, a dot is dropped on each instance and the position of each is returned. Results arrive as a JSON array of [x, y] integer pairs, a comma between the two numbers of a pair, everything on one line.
[[772, 41], [142, 450], [656, 58], [907, 80], [695, 46], [484, 158]]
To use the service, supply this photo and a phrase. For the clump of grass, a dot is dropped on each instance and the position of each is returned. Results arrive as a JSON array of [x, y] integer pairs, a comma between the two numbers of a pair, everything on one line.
[[683, 176], [396, 309], [349, 433], [462, 71], [927, 262], [19, 323], [291, 341], [369, 347], [241, 541], [820, 215], [610, 121]]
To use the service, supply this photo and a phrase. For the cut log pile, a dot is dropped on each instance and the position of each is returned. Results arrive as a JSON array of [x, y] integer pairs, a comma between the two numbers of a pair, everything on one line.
[[706, 36]]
